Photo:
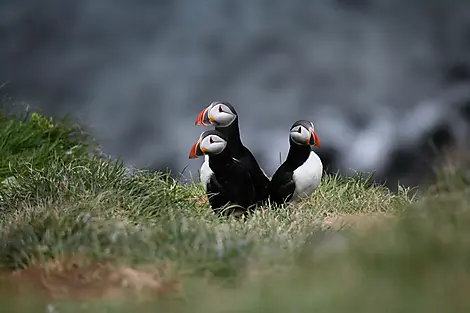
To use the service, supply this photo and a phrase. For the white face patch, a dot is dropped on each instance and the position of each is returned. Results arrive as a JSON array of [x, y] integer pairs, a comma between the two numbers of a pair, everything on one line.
[[213, 144], [300, 135], [221, 114]]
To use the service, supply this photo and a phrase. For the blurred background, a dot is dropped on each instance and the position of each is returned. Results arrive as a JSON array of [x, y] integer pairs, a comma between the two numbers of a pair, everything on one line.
[[386, 82]]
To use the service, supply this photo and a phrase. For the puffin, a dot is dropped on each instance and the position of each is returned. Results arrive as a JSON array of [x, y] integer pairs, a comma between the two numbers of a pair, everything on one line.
[[225, 180], [301, 172], [223, 116]]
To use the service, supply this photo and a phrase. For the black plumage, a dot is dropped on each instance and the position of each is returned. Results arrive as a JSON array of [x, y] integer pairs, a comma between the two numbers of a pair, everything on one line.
[[229, 185], [282, 185], [237, 149], [302, 170]]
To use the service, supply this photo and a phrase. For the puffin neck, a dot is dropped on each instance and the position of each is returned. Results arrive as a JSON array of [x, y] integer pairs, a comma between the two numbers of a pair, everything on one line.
[[297, 155], [221, 160], [232, 132]]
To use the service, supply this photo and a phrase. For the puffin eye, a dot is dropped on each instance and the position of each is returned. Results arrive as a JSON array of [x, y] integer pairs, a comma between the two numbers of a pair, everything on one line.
[[299, 130], [211, 140], [220, 109]]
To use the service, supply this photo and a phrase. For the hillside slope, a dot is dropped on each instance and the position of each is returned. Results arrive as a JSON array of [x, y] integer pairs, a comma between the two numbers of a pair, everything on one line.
[[74, 226]]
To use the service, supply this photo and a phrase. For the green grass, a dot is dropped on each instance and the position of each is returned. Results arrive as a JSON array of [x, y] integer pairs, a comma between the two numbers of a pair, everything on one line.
[[58, 200]]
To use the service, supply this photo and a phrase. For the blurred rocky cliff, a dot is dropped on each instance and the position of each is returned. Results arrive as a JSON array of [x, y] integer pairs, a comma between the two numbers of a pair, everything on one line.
[[386, 82]]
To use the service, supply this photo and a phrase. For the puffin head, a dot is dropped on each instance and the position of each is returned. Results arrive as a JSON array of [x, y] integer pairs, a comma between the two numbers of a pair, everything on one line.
[[218, 113], [210, 142], [303, 133]]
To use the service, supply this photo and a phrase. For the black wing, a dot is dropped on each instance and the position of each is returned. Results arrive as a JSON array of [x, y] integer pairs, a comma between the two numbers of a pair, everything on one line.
[[233, 186], [216, 193], [260, 180], [246, 190], [282, 186]]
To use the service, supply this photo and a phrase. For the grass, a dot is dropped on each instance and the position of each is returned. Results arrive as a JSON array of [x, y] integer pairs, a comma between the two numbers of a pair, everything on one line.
[[77, 234]]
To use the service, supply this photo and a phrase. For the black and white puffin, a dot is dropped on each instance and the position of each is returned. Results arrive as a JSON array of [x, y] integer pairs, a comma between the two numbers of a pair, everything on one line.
[[224, 179], [301, 172], [223, 116]]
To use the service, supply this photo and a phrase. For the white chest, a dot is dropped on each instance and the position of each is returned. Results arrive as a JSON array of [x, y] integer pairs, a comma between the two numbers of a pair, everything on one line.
[[307, 177], [205, 172]]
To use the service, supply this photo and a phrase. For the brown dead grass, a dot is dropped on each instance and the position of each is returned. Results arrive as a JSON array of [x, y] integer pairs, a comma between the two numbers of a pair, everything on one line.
[[76, 278], [360, 221], [200, 201]]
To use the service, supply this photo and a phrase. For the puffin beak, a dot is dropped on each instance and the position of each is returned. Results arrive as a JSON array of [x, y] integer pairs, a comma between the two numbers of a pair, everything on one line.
[[196, 150], [314, 139], [203, 118]]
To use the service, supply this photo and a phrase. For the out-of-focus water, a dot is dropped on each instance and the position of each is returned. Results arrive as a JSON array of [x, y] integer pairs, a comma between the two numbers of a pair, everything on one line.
[[374, 76]]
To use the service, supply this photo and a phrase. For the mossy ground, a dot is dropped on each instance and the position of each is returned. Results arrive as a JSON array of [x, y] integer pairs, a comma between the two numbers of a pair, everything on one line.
[[80, 235]]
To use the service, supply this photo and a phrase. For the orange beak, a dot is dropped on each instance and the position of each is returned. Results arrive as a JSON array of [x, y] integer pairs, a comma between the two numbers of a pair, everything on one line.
[[196, 150], [193, 151], [202, 118], [316, 141]]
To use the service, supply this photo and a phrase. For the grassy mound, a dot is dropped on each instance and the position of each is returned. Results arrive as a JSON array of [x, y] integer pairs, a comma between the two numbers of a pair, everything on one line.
[[74, 227]]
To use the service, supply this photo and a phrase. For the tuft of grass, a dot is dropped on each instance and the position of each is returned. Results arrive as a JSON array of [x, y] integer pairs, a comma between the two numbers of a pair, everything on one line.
[[33, 140], [58, 202], [355, 194]]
